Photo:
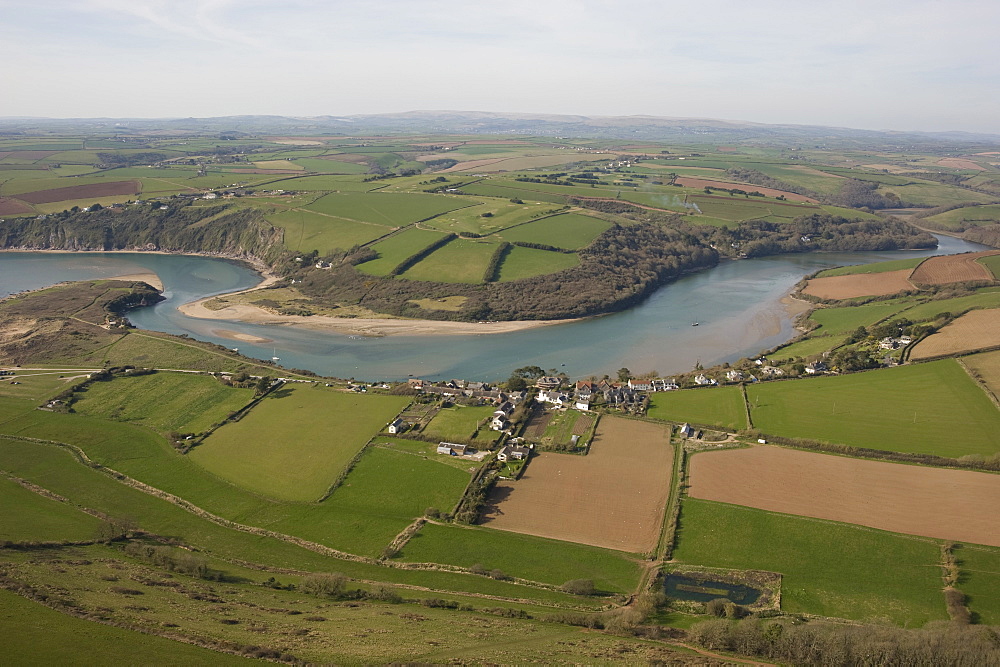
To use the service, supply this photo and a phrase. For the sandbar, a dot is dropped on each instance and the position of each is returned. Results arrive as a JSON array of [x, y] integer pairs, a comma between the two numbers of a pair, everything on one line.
[[371, 327], [150, 279]]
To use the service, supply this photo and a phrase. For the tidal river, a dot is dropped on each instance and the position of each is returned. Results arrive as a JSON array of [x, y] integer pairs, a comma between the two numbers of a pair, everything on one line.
[[737, 305]]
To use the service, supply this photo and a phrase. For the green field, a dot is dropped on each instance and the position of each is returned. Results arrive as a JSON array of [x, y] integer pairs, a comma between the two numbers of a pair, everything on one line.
[[808, 347], [571, 231], [715, 406], [294, 443], [962, 218], [32, 517], [827, 568], [400, 485], [164, 401], [979, 579], [984, 298], [878, 267], [508, 190], [39, 385], [393, 250], [486, 218], [459, 422], [524, 556], [523, 263], [846, 319], [306, 231], [424, 450], [458, 261], [883, 409], [992, 263], [392, 209]]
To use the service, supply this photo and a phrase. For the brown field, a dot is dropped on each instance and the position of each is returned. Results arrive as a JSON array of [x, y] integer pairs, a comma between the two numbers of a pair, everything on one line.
[[539, 421], [957, 505], [960, 163], [13, 207], [860, 284], [975, 330], [690, 182], [33, 155], [614, 497], [952, 269], [265, 171], [83, 192], [987, 365]]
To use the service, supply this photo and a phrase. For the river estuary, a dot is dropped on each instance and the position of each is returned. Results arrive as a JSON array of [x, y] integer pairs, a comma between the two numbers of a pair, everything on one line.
[[737, 306]]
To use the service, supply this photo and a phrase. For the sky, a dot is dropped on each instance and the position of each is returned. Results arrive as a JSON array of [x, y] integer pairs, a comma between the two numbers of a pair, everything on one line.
[[927, 65]]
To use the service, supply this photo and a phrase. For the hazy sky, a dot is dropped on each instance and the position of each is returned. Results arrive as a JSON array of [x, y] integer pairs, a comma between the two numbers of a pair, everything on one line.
[[910, 65]]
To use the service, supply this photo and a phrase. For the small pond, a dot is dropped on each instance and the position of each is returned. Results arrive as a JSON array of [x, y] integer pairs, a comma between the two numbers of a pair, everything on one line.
[[685, 587]]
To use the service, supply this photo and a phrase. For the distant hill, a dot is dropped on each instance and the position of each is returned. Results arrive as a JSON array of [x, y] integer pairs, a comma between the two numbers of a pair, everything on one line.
[[636, 128]]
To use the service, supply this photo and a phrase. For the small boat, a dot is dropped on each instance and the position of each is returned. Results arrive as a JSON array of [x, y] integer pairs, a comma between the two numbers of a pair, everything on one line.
[[694, 324], [274, 352]]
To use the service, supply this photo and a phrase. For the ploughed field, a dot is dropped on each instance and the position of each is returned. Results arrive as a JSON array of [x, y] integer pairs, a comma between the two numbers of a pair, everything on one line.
[[952, 269], [862, 284], [975, 330], [614, 497], [932, 502]]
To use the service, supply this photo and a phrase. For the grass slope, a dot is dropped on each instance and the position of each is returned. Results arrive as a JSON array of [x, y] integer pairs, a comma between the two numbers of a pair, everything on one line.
[[38, 518], [717, 406]]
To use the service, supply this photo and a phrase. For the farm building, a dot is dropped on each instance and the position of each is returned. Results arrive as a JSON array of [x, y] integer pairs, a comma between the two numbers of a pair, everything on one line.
[[451, 449], [515, 452], [397, 426]]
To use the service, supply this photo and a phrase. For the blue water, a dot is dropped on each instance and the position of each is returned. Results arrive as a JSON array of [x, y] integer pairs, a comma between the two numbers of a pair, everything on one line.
[[737, 305]]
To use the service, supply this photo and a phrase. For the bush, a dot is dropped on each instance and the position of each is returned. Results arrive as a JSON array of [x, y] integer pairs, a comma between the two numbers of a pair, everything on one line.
[[329, 585], [579, 587]]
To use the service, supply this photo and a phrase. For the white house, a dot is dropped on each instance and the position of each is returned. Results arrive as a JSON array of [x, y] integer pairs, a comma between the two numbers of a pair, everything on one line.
[[397, 426]]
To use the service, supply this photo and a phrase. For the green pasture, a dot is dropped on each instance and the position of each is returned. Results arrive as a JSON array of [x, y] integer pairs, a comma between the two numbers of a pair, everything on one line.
[[399, 484], [878, 267], [458, 422], [961, 218], [322, 166], [37, 635], [523, 263], [534, 558], [984, 298], [801, 175], [930, 193], [423, 449], [295, 442], [567, 230], [508, 190], [992, 263], [827, 568], [715, 406], [458, 261], [849, 213], [56, 470], [38, 385], [499, 215], [846, 319], [741, 208], [392, 209], [808, 347], [277, 164], [306, 231], [34, 518], [979, 579], [393, 250], [930, 408], [182, 402]]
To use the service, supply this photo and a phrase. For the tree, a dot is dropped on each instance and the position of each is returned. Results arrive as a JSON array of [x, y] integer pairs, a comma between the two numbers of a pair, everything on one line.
[[262, 385], [624, 374], [579, 587], [516, 383]]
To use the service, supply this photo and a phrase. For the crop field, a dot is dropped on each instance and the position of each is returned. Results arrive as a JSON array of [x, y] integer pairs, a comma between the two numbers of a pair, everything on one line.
[[862, 284], [715, 406], [523, 263], [975, 330], [38, 518], [878, 267], [392, 209], [294, 443], [988, 297], [827, 568], [306, 231], [458, 422], [565, 424], [571, 231], [987, 365], [13, 207], [95, 190], [393, 250], [980, 581], [164, 401], [534, 558], [881, 409], [952, 269], [458, 261], [614, 497], [957, 505], [700, 183]]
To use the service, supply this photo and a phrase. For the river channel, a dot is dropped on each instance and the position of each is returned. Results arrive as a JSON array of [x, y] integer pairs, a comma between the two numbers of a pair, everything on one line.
[[737, 306]]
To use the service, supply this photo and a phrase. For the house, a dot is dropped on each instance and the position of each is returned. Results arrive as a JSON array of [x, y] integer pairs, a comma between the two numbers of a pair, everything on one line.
[[582, 404], [816, 367], [515, 452], [686, 430], [451, 449], [771, 371], [397, 426], [208, 195], [702, 379], [414, 383], [640, 385], [550, 396], [734, 375], [548, 383]]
